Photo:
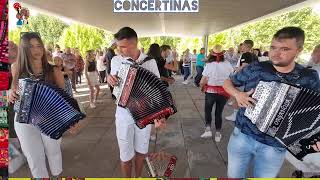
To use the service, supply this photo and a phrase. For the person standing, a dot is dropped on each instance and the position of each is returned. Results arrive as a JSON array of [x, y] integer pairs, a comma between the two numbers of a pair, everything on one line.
[[79, 66], [247, 143], [57, 51], [101, 66], [186, 58], [199, 66], [91, 73], [133, 142], [216, 71], [247, 57], [36, 146], [69, 61], [108, 58], [315, 59], [231, 56]]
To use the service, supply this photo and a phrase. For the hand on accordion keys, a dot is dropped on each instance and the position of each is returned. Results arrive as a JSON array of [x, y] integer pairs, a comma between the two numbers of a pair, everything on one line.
[[244, 99], [160, 123], [113, 80], [316, 146]]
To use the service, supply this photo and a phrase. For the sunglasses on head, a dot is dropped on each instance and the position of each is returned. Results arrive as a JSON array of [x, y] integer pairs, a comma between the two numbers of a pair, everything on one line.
[[29, 33]]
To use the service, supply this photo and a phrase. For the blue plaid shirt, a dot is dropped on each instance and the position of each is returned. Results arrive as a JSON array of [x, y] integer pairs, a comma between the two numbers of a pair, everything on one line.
[[250, 76]]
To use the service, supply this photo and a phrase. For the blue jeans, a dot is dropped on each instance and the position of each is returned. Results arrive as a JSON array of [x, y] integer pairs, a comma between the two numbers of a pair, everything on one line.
[[186, 72], [197, 79], [267, 160]]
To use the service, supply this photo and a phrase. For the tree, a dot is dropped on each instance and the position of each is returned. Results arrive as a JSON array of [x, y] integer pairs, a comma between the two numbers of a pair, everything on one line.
[[84, 37], [261, 32], [50, 28]]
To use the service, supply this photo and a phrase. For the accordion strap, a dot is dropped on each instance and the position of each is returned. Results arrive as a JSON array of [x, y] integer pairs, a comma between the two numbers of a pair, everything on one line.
[[141, 62], [296, 74]]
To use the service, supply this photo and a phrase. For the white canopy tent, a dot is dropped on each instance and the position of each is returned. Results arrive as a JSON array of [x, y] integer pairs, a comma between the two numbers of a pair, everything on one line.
[[213, 15]]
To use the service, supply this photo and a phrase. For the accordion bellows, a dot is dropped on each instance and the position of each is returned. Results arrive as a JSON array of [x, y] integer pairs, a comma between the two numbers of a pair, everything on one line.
[[47, 107], [288, 113], [161, 164], [143, 94]]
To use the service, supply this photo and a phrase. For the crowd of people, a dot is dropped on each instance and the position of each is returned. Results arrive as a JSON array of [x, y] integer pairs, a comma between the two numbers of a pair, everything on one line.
[[221, 75]]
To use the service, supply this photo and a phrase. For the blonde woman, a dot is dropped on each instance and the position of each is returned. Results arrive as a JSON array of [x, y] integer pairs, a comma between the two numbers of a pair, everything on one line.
[[91, 73]]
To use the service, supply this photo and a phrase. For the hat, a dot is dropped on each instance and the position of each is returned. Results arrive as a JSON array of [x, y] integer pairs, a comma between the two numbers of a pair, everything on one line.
[[112, 42]]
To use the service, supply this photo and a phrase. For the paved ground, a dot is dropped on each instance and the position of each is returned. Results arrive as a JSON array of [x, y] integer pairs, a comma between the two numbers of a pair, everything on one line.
[[93, 152]]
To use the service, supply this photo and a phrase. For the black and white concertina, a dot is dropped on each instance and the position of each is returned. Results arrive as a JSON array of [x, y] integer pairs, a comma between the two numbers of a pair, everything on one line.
[[289, 113]]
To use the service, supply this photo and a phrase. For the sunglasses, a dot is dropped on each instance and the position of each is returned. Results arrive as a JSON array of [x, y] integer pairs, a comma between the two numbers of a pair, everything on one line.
[[29, 33]]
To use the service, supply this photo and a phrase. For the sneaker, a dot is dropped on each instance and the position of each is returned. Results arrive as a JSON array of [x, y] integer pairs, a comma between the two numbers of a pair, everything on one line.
[[92, 105], [185, 82], [233, 116], [217, 136], [207, 133], [230, 103]]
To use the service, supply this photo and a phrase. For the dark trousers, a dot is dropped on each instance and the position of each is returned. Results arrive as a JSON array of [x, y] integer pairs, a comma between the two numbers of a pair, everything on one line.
[[73, 78], [198, 77], [102, 75], [78, 78], [210, 100], [186, 72]]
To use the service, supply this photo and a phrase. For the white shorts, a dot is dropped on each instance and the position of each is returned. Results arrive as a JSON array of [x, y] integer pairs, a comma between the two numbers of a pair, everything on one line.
[[93, 78], [132, 139]]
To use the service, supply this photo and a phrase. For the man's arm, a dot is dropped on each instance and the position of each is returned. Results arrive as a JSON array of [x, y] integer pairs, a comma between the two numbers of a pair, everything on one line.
[[243, 98], [237, 80], [241, 67]]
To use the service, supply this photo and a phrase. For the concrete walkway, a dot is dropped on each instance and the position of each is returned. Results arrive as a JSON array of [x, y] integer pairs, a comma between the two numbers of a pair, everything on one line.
[[93, 152]]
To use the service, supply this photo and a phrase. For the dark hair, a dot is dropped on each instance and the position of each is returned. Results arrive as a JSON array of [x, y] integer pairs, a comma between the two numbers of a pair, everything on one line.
[[154, 51], [291, 32], [266, 53], [164, 48], [249, 43], [259, 52], [125, 33], [214, 57]]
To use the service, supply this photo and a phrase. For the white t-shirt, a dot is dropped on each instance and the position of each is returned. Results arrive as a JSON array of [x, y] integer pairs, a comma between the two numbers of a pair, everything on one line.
[[217, 73], [100, 65], [170, 58], [123, 114], [56, 53], [188, 59], [193, 58]]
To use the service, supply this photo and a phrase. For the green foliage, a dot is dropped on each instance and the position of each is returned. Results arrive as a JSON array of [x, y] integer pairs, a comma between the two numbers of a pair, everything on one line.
[[84, 37], [261, 32], [180, 44], [14, 35], [49, 27]]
